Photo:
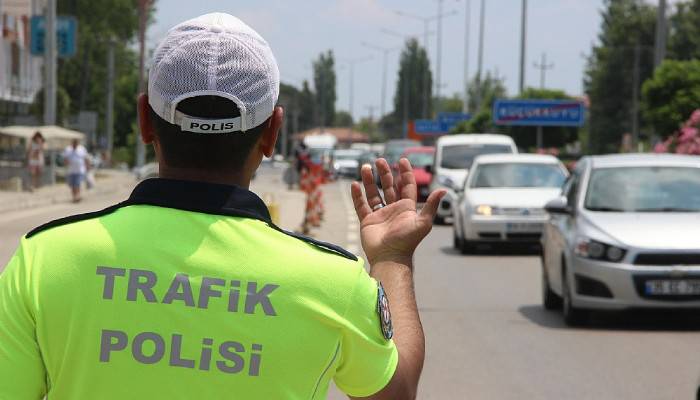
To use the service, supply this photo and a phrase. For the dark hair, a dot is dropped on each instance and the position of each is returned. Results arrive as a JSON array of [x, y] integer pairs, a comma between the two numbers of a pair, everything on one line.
[[38, 134], [184, 149]]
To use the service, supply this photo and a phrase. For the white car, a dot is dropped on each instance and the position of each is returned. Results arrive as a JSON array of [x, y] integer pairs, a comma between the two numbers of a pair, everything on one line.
[[454, 155], [504, 198], [624, 234], [346, 162]]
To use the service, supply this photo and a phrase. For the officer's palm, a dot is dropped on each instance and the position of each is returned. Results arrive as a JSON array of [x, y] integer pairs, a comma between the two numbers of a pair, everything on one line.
[[393, 232]]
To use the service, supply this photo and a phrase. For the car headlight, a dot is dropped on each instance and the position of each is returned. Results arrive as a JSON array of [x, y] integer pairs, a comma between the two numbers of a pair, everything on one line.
[[486, 210], [595, 250], [445, 181]]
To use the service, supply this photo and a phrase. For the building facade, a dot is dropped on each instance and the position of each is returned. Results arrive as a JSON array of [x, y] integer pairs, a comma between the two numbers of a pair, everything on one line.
[[20, 72]]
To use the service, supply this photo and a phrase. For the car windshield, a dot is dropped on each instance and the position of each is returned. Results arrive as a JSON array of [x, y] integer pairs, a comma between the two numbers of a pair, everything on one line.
[[347, 155], [644, 189], [462, 156], [518, 175], [420, 159]]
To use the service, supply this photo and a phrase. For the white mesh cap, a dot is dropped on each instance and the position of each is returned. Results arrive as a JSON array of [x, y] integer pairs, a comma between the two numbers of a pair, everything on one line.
[[214, 54]]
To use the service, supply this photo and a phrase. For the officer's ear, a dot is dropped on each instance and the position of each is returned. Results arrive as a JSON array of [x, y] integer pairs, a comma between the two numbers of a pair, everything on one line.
[[144, 117], [270, 133]]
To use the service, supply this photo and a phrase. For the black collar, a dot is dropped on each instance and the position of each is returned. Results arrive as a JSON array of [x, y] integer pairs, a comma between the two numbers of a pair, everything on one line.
[[210, 198]]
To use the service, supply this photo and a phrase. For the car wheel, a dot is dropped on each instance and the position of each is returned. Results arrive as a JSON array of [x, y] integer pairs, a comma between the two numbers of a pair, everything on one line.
[[456, 240], [439, 220], [550, 300], [573, 316], [466, 247]]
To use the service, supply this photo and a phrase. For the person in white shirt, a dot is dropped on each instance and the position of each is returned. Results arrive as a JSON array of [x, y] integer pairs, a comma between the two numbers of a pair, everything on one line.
[[75, 158]]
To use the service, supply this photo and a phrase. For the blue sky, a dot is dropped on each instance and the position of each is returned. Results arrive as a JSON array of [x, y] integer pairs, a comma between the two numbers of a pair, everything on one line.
[[299, 30]]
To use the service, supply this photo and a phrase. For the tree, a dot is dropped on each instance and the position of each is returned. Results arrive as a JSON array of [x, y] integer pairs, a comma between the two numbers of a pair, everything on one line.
[[414, 70], [609, 73], [449, 104], [491, 87], [553, 136], [325, 82], [342, 118], [684, 39], [83, 77], [671, 95], [62, 105]]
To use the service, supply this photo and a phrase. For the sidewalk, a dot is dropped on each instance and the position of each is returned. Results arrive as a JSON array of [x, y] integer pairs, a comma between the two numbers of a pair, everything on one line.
[[108, 181], [340, 224]]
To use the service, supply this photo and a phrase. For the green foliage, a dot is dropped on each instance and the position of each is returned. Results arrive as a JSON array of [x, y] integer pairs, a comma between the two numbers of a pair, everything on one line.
[[62, 105], [342, 118], [414, 70], [671, 95], [325, 82], [684, 41], [609, 73], [449, 104], [553, 136], [490, 88]]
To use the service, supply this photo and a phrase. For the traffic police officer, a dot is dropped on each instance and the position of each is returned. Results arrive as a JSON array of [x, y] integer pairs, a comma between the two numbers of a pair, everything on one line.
[[187, 289]]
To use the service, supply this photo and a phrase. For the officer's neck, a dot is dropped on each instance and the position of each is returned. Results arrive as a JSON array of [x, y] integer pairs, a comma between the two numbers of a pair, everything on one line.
[[238, 178]]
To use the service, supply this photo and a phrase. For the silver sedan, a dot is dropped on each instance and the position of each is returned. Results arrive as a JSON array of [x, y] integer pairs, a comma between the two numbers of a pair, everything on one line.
[[624, 235]]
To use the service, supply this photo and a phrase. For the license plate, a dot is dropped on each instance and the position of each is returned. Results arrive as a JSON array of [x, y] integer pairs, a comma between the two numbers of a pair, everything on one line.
[[673, 287], [523, 227]]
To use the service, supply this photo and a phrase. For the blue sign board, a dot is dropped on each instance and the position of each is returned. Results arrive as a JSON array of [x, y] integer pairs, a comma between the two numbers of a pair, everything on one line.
[[66, 35], [538, 112], [427, 126], [443, 124], [448, 120]]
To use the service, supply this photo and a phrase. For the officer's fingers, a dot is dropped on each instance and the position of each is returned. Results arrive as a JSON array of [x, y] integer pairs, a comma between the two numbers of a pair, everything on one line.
[[371, 191], [431, 205], [361, 207], [408, 188], [387, 179]]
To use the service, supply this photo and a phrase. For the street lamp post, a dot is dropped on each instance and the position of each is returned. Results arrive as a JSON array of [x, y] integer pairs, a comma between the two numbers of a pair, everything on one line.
[[144, 5], [385, 55], [351, 66]]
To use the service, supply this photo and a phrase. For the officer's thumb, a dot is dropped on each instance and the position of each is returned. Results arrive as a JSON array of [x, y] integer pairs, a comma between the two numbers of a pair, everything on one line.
[[431, 205]]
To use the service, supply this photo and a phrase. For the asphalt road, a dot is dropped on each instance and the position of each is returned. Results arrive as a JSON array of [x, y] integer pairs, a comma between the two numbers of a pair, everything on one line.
[[489, 338]]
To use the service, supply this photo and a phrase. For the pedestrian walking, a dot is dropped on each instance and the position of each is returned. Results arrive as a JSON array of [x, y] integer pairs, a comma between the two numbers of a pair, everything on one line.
[[187, 289], [35, 159], [75, 158]]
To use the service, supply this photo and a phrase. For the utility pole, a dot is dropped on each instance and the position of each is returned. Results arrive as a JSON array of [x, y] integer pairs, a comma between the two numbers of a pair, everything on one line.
[[351, 66], [50, 64], [371, 109], [661, 33], [523, 39], [385, 54], [635, 96], [480, 59], [143, 17], [543, 67], [109, 113], [467, 27], [438, 63]]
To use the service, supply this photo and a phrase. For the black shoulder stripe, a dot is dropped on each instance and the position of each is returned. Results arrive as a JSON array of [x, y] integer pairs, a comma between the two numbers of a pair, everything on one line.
[[323, 245], [74, 218]]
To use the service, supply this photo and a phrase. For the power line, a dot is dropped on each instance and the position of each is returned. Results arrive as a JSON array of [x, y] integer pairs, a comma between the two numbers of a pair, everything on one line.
[[543, 67]]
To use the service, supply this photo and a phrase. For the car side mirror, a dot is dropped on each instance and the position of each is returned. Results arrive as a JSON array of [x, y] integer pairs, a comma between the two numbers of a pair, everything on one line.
[[558, 206], [429, 169]]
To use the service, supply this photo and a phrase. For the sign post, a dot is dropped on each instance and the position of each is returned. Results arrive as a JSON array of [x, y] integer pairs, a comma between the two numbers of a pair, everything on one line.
[[539, 113]]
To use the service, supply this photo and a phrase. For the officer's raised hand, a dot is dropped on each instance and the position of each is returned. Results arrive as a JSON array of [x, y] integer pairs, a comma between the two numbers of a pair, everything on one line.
[[391, 229]]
